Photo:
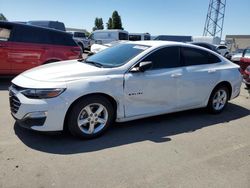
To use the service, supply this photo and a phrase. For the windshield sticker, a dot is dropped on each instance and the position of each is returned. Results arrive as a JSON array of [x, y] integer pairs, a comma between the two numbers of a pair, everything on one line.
[[140, 47]]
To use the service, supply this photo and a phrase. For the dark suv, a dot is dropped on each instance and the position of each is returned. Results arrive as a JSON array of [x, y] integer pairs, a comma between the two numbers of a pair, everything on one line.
[[23, 47]]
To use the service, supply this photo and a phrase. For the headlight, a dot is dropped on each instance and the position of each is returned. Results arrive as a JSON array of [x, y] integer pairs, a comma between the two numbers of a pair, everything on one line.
[[42, 93]]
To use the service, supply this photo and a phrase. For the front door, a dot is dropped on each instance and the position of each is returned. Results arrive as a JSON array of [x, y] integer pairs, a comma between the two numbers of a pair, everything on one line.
[[155, 90]]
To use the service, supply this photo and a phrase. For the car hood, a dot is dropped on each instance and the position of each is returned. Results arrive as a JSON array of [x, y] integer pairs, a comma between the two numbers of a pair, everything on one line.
[[63, 71]]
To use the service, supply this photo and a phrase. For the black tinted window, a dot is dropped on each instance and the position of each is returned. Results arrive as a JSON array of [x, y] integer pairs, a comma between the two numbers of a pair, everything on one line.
[[123, 36], [167, 57], [31, 35], [147, 37], [192, 56], [42, 36], [134, 37]]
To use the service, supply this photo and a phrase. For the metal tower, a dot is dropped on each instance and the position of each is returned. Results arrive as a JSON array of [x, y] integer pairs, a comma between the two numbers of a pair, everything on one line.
[[215, 18]]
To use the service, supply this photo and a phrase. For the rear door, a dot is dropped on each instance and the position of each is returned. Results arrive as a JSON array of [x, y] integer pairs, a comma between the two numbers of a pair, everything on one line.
[[5, 34], [199, 77]]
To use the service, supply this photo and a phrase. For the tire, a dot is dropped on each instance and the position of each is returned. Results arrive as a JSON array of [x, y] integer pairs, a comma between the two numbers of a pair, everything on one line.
[[84, 120], [217, 103]]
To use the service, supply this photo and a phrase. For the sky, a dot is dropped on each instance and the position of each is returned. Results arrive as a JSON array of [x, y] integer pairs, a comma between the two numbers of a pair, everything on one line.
[[170, 17]]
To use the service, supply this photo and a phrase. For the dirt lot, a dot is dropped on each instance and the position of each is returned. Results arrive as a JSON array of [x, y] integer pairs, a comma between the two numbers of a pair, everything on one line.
[[187, 149]]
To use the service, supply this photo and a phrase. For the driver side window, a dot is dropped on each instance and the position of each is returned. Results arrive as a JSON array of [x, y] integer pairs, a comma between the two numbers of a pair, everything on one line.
[[167, 57]]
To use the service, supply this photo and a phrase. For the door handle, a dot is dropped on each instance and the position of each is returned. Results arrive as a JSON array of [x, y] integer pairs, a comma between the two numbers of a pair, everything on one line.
[[211, 71], [176, 75]]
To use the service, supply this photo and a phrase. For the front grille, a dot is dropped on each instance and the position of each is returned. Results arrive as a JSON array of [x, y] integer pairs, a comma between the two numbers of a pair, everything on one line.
[[14, 102]]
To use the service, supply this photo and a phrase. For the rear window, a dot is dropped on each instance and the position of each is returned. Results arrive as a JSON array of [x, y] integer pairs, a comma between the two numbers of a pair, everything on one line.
[[4, 34], [192, 56]]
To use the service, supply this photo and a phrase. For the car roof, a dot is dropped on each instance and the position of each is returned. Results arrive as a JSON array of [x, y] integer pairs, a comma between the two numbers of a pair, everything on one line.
[[6, 23]]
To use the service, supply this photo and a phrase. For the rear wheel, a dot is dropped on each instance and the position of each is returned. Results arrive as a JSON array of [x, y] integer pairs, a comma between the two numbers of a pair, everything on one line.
[[218, 100], [90, 117]]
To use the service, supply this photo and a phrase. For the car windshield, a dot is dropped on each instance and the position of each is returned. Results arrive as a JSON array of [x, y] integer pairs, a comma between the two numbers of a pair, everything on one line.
[[116, 56]]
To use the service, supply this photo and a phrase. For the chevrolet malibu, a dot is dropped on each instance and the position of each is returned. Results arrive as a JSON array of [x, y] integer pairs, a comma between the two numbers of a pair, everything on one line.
[[126, 82]]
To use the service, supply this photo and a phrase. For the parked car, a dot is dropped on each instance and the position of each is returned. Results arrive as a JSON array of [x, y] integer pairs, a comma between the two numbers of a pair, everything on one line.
[[81, 40], [222, 49], [236, 55], [23, 47], [107, 36], [139, 36], [48, 24], [122, 83], [245, 66], [206, 45]]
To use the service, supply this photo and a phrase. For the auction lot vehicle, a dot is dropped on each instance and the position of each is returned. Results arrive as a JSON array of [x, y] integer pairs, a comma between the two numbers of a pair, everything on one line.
[[206, 45], [107, 36], [126, 82], [81, 40], [236, 55], [222, 49], [23, 47], [245, 66]]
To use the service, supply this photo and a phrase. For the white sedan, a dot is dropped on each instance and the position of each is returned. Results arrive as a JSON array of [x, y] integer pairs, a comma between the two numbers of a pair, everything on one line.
[[126, 82]]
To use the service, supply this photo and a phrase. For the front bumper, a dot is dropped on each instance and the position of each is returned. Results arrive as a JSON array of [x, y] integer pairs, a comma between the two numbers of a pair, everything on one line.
[[38, 114]]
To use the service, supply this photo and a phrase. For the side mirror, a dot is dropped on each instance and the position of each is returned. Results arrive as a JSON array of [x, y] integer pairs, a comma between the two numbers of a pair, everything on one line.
[[143, 66]]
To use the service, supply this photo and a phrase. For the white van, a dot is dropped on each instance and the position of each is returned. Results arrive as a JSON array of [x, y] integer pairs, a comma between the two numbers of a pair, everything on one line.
[[107, 36], [139, 36]]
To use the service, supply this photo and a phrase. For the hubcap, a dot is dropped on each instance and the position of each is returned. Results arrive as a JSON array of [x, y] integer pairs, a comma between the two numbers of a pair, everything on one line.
[[92, 118], [220, 99]]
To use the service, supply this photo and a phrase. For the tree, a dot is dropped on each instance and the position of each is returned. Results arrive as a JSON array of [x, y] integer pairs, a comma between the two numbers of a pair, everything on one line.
[[116, 21], [110, 24], [2, 17], [98, 24]]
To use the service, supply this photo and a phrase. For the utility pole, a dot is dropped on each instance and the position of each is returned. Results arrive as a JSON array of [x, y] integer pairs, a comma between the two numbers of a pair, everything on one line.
[[215, 18]]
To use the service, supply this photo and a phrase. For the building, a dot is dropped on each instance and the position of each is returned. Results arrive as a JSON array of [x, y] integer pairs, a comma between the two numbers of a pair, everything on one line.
[[235, 42]]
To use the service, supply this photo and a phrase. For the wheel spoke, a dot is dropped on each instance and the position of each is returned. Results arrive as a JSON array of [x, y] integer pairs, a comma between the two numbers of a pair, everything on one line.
[[91, 128], [82, 122], [217, 106], [88, 110], [101, 120], [99, 110]]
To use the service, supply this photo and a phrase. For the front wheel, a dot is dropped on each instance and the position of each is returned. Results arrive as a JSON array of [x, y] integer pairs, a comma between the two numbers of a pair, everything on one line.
[[90, 117], [218, 100]]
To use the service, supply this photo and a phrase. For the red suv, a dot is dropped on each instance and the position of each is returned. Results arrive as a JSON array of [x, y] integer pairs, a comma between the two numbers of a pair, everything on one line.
[[24, 46], [245, 66]]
